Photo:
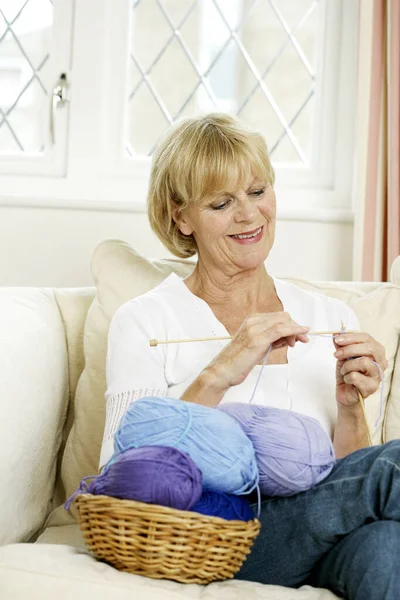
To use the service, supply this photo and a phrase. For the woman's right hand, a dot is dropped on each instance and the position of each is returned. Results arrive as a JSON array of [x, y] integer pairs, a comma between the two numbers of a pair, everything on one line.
[[250, 344]]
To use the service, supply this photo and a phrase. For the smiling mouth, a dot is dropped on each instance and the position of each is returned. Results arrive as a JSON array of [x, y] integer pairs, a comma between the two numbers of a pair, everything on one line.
[[245, 236]]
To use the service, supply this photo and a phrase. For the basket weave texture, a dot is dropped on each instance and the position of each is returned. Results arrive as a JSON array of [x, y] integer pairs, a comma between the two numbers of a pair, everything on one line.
[[164, 543]]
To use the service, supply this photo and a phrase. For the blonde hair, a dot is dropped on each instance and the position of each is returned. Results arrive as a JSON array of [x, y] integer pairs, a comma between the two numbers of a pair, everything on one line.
[[198, 157]]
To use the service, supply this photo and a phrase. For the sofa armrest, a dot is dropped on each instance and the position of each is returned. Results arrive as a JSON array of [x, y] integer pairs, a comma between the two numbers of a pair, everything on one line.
[[395, 271], [33, 405]]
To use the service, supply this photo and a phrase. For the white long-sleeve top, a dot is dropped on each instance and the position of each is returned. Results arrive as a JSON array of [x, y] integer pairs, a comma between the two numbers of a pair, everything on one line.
[[306, 384]]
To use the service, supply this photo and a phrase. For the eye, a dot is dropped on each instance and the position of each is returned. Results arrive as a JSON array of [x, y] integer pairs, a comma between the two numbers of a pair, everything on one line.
[[221, 206], [257, 192]]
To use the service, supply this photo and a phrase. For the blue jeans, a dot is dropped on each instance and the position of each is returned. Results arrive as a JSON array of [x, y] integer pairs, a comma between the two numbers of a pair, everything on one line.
[[343, 534]]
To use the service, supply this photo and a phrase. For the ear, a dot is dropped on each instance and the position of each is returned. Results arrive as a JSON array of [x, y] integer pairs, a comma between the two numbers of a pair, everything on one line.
[[180, 219]]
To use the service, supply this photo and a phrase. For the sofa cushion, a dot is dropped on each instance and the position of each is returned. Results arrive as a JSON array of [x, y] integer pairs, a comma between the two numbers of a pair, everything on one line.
[[44, 571], [73, 304], [33, 405], [120, 274]]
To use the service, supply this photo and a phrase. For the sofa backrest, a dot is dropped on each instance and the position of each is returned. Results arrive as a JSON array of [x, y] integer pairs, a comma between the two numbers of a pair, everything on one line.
[[42, 357]]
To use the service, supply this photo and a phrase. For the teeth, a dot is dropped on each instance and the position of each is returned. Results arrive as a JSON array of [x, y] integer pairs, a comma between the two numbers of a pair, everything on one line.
[[243, 237]]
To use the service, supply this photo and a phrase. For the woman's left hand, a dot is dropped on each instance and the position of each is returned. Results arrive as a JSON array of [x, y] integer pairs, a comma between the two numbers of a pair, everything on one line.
[[359, 374]]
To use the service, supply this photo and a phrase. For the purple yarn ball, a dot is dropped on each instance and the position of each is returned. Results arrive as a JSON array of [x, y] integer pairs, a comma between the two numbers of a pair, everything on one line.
[[293, 451], [154, 474], [226, 506]]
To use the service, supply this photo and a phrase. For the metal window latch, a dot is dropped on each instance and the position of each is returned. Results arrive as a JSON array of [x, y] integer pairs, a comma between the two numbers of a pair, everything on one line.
[[59, 97]]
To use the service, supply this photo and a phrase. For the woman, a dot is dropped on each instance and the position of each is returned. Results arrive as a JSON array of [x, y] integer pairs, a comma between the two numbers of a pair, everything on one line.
[[211, 193]]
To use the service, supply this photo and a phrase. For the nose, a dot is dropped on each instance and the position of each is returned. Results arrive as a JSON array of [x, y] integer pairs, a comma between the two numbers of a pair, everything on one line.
[[246, 208]]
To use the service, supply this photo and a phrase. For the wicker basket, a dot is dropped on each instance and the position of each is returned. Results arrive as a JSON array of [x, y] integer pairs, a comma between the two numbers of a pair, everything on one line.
[[164, 543]]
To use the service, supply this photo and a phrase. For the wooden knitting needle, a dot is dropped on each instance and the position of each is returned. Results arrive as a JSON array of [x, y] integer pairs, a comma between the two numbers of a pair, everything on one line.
[[361, 400], [229, 337], [155, 342]]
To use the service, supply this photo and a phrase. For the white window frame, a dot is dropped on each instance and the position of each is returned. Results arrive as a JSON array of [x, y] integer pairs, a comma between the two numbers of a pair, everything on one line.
[[100, 176], [53, 160]]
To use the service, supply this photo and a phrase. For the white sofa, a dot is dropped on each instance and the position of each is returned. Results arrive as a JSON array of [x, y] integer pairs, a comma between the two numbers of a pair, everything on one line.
[[52, 353]]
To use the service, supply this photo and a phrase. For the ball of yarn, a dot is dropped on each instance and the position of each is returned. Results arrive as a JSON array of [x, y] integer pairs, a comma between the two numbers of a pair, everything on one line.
[[293, 451], [226, 506], [214, 440], [153, 474]]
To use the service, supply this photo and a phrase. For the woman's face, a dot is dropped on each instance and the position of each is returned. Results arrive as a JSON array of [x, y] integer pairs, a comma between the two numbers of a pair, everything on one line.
[[218, 220]]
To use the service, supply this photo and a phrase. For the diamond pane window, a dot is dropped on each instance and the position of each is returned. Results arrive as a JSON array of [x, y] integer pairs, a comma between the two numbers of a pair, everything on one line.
[[25, 39], [255, 59]]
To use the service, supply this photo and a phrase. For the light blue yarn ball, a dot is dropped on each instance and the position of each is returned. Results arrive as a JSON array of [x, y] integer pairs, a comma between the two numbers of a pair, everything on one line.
[[214, 440], [293, 451]]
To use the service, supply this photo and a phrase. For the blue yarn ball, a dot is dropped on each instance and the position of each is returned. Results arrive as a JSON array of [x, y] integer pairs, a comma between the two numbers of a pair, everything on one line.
[[226, 506], [293, 451], [214, 440]]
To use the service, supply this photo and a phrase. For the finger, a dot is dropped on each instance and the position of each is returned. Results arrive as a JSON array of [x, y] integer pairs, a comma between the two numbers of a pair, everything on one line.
[[355, 350], [358, 337], [276, 335], [283, 331], [303, 338], [375, 349], [290, 341], [269, 321], [362, 365], [365, 385], [283, 341]]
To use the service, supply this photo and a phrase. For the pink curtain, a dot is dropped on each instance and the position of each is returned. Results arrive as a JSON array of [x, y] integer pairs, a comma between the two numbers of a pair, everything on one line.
[[377, 173]]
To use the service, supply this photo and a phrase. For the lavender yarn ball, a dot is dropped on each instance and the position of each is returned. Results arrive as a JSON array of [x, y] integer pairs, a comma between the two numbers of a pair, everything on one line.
[[214, 440], [153, 474], [226, 506], [293, 451]]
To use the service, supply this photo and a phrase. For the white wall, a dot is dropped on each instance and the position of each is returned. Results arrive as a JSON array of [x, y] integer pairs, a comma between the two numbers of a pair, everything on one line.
[[52, 247]]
